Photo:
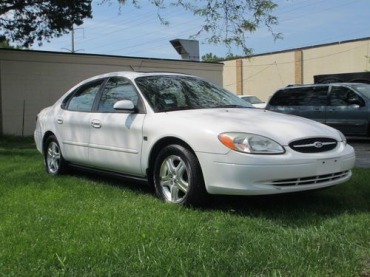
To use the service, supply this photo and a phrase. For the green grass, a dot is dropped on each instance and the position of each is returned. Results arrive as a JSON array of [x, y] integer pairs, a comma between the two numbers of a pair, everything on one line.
[[86, 225]]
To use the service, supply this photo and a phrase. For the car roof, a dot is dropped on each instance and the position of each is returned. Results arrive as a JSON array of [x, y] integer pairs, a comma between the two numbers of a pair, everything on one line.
[[135, 74], [328, 84]]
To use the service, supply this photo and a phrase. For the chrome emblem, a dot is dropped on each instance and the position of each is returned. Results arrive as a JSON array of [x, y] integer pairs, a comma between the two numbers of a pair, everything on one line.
[[318, 144]]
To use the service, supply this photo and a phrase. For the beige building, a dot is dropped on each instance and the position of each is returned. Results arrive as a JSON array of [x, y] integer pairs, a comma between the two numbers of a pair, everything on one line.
[[32, 80], [262, 75]]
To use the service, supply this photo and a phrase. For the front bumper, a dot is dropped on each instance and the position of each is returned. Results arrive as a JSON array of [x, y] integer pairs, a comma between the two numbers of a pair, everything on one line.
[[245, 174]]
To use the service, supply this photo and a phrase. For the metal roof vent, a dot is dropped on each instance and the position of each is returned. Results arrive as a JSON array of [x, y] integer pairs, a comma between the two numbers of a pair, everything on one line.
[[188, 49]]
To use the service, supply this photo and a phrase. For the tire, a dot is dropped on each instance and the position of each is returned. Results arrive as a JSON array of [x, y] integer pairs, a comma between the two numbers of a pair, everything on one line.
[[53, 157], [178, 178]]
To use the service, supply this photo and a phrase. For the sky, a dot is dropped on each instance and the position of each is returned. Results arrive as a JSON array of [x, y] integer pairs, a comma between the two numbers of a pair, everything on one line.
[[132, 32]]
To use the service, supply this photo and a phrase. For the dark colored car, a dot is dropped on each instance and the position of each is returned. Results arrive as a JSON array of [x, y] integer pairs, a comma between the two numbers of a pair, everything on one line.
[[344, 106]]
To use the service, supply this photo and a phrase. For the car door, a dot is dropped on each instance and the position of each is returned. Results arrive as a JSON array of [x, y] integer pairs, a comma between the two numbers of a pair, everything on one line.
[[73, 122], [347, 111], [116, 137]]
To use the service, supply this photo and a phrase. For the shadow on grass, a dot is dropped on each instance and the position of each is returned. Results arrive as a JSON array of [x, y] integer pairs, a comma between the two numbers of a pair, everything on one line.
[[112, 180], [17, 146], [295, 209], [298, 209], [15, 142]]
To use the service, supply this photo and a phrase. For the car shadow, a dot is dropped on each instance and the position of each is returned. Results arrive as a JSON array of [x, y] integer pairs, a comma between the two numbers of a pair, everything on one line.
[[113, 180], [295, 209]]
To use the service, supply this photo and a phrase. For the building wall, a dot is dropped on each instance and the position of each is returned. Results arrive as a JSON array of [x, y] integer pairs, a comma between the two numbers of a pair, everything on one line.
[[229, 76], [270, 70], [30, 81], [263, 74], [338, 58], [260, 74]]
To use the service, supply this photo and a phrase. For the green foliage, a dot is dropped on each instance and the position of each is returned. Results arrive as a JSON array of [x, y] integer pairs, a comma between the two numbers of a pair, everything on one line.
[[25, 22], [210, 57], [86, 225], [4, 44]]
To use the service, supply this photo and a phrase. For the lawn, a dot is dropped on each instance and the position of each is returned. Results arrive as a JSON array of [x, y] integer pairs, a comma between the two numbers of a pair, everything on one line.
[[86, 225]]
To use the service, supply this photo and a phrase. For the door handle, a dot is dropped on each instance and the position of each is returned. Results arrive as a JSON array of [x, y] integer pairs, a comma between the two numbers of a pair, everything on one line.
[[60, 120], [96, 124]]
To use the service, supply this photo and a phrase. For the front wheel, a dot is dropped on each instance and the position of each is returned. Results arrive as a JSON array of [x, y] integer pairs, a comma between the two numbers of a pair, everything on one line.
[[178, 177], [54, 161]]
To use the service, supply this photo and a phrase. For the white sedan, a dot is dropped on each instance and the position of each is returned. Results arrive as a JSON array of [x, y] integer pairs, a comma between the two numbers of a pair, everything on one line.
[[188, 138]]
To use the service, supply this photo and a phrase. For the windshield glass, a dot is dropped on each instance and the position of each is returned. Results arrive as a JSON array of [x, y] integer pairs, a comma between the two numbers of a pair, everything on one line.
[[173, 92], [363, 89]]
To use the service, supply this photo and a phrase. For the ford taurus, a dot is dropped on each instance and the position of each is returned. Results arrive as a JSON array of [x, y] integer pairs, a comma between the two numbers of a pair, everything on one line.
[[188, 138]]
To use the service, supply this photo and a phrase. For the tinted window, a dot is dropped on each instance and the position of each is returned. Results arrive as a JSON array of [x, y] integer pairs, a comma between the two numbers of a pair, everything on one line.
[[343, 96], [363, 89], [303, 96], [82, 100], [117, 89]]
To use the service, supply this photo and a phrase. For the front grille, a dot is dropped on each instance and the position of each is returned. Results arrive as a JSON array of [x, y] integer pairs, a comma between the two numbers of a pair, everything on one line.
[[312, 179], [313, 145]]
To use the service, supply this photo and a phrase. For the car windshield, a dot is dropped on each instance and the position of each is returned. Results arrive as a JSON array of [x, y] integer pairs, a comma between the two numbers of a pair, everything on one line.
[[174, 92], [363, 89]]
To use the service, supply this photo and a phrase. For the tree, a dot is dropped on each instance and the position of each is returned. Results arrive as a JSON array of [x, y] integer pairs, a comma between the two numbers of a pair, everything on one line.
[[4, 43], [27, 21], [210, 57], [231, 56], [225, 22]]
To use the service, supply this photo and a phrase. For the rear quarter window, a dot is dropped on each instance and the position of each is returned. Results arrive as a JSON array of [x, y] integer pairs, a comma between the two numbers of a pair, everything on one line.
[[82, 99]]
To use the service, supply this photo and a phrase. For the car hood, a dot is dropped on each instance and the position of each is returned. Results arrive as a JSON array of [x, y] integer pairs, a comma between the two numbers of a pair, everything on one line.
[[279, 127]]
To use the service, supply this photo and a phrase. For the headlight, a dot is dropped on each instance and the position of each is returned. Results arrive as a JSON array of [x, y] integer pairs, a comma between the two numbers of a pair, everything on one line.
[[344, 139], [250, 143]]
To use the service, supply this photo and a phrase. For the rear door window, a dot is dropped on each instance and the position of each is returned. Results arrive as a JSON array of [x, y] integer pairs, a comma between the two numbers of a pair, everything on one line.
[[301, 96], [83, 98], [308, 101]]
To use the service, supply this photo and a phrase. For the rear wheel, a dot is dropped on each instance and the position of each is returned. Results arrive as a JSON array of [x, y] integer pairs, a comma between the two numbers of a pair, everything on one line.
[[178, 177], [54, 161]]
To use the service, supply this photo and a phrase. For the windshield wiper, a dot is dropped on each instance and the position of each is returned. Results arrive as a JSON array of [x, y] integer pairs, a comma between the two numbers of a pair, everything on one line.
[[172, 109], [230, 106]]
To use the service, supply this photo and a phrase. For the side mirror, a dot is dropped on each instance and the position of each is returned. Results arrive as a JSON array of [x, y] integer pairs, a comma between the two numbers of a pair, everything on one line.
[[125, 106]]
